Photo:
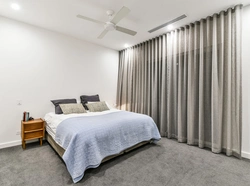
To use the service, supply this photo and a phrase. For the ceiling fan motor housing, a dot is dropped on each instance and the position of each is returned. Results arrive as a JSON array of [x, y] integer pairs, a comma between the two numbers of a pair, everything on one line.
[[109, 26]]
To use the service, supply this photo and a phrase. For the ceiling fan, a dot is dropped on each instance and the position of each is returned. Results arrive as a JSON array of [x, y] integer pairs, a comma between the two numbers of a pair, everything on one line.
[[112, 23]]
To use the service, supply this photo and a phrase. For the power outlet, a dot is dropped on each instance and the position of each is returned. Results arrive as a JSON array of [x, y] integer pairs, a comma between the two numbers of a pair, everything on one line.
[[18, 133]]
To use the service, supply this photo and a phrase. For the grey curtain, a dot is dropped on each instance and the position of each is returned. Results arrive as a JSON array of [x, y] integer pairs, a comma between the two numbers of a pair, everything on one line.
[[189, 82]]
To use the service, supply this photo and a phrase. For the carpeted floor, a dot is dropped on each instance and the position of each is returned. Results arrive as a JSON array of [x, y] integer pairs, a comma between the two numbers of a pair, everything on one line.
[[168, 163]]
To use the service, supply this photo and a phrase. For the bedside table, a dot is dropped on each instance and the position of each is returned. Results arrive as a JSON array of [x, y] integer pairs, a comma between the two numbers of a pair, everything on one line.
[[32, 129]]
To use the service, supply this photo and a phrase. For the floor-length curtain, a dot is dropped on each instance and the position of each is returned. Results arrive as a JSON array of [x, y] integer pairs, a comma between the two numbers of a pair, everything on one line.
[[189, 82]]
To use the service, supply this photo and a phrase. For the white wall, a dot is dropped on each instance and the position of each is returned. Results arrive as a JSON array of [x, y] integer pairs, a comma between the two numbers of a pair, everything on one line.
[[37, 65], [246, 82]]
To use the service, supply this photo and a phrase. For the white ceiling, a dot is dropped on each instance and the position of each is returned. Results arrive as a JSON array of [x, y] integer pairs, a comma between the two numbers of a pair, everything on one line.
[[60, 16]]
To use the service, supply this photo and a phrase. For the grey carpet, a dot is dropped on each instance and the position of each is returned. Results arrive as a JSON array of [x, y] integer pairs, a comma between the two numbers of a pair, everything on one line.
[[168, 163]]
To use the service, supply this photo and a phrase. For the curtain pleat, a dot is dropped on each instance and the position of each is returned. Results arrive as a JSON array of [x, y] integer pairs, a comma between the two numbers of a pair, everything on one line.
[[189, 82]]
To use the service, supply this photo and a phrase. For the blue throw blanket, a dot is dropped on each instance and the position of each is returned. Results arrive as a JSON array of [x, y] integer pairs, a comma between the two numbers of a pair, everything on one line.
[[89, 139]]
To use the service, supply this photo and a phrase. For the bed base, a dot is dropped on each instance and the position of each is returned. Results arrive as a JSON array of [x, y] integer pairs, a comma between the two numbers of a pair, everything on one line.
[[60, 151]]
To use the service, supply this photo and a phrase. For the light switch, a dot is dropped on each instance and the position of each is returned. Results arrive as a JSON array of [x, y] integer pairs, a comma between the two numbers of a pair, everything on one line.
[[19, 102]]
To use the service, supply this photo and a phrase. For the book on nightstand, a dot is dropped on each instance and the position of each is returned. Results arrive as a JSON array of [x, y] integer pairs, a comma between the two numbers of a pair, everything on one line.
[[26, 116]]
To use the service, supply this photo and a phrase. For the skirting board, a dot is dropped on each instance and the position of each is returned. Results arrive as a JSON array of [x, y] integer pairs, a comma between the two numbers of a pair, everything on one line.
[[10, 144], [245, 155], [14, 143]]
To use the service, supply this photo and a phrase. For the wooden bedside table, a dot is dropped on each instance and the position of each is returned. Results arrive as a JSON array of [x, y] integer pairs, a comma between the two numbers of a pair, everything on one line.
[[32, 129]]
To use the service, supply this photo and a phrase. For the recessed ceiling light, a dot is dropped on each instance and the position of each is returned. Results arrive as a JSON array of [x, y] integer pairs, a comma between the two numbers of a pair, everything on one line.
[[170, 27], [15, 6], [126, 45]]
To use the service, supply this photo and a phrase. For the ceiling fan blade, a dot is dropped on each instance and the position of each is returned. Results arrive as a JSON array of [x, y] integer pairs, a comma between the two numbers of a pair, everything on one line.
[[104, 32], [126, 31], [120, 15], [90, 19], [168, 23]]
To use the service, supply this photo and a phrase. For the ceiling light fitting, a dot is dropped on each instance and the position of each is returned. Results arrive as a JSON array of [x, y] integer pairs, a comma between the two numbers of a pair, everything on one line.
[[15, 6], [170, 27]]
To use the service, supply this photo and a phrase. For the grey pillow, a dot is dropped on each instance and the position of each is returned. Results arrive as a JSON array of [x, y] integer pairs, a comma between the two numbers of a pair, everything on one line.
[[71, 108], [92, 98], [97, 107], [58, 110]]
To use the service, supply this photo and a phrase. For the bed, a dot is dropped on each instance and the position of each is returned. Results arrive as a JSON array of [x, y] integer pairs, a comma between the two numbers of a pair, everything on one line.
[[86, 140]]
